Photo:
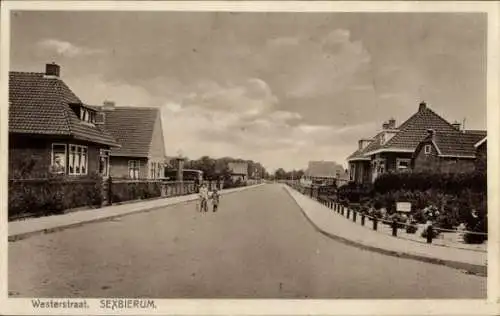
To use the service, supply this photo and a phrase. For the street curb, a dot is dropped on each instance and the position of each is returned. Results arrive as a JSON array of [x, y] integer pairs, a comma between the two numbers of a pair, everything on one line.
[[469, 268], [21, 236]]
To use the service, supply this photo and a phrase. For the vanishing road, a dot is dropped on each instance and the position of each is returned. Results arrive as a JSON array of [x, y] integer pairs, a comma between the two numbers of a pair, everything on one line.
[[259, 245]]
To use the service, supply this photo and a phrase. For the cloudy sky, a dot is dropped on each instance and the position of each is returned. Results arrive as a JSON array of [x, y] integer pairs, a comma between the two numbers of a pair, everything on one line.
[[279, 88]]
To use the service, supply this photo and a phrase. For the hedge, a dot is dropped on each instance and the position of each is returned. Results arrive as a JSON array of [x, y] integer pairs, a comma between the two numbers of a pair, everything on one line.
[[41, 197], [454, 195], [452, 183], [137, 190]]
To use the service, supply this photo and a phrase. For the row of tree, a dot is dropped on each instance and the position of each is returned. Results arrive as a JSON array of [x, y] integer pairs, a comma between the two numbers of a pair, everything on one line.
[[218, 168], [281, 174]]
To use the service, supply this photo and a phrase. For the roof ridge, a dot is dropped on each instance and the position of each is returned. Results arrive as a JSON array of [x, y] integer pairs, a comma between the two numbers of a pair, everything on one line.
[[403, 126], [26, 72]]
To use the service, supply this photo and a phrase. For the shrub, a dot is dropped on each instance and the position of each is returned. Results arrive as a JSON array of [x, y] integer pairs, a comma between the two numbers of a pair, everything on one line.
[[40, 197], [136, 190]]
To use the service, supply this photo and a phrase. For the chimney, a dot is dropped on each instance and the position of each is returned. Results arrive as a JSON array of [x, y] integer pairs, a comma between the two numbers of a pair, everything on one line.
[[456, 125], [392, 123], [108, 105], [363, 143], [52, 70], [422, 106]]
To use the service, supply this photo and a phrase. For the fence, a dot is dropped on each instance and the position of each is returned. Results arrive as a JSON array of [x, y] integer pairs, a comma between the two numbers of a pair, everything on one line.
[[396, 228], [40, 197]]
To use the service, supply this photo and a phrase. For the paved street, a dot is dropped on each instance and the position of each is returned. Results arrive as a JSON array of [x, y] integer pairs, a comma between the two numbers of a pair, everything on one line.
[[259, 245]]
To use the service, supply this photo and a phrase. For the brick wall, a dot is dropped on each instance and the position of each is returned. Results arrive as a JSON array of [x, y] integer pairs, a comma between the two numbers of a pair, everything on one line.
[[24, 148], [432, 162], [481, 160], [119, 167]]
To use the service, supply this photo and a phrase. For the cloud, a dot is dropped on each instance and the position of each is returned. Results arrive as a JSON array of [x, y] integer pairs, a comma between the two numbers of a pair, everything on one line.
[[320, 67], [67, 49]]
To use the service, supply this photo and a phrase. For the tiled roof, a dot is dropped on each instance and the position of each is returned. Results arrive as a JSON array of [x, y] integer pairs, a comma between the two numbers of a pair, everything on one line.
[[133, 129], [456, 144], [39, 105], [414, 130], [325, 169], [359, 154]]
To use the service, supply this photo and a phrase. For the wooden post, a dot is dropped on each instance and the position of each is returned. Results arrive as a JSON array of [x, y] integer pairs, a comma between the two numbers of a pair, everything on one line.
[[110, 191]]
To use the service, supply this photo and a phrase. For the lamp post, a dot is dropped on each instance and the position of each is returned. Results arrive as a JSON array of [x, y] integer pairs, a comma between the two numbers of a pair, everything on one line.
[[180, 166]]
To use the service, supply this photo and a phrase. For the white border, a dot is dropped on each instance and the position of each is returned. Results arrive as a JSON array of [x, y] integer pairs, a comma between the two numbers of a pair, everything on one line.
[[275, 307]]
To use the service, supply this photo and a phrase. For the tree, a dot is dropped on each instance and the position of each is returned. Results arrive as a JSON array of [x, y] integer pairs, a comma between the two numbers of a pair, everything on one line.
[[280, 174]]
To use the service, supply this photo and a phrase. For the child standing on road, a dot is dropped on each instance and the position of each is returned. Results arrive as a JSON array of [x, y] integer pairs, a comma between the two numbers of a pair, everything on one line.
[[203, 198], [215, 200]]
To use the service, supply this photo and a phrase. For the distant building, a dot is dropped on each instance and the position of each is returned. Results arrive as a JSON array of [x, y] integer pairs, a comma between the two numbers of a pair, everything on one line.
[[325, 172], [239, 170]]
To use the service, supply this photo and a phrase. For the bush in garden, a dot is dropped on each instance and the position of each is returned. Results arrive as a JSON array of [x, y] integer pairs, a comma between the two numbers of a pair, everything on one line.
[[41, 197]]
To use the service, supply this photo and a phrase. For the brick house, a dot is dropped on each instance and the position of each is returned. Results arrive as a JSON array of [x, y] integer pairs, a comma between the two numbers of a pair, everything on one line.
[[239, 170], [448, 152], [481, 154], [393, 147], [51, 131], [327, 172], [139, 131]]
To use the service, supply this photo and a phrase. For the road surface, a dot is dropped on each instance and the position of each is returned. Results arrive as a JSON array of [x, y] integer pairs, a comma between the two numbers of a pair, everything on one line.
[[258, 245]]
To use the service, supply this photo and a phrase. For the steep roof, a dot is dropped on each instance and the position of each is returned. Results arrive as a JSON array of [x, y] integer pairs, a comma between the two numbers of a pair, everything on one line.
[[324, 169], [456, 144], [360, 153], [414, 130], [133, 129], [41, 105]]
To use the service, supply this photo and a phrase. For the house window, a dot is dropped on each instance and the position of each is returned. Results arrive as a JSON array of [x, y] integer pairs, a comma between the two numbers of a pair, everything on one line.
[[87, 115], [133, 169], [159, 171], [403, 164], [104, 163], [78, 162], [427, 149], [58, 159], [153, 170], [352, 173]]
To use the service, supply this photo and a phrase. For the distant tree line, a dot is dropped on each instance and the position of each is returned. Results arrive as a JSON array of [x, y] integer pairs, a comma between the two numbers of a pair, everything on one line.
[[218, 168], [281, 174]]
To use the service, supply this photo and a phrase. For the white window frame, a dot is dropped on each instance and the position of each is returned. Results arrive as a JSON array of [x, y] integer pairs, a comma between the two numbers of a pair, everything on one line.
[[353, 172], [152, 169], [66, 167], [399, 160], [136, 167], [107, 154], [428, 149], [78, 150]]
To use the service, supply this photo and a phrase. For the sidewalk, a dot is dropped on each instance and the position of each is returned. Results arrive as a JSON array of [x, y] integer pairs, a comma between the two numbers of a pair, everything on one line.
[[25, 228], [338, 227]]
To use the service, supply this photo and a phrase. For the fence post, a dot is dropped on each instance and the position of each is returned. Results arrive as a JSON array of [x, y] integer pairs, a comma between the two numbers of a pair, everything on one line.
[[430, 232], [375, 222], [354, 216], [110, 191], [343, 210], [348, 213], [362, 219], [394, 228]]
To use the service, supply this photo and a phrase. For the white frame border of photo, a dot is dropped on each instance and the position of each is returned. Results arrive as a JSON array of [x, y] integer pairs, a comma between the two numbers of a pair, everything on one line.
[[489, 306]]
